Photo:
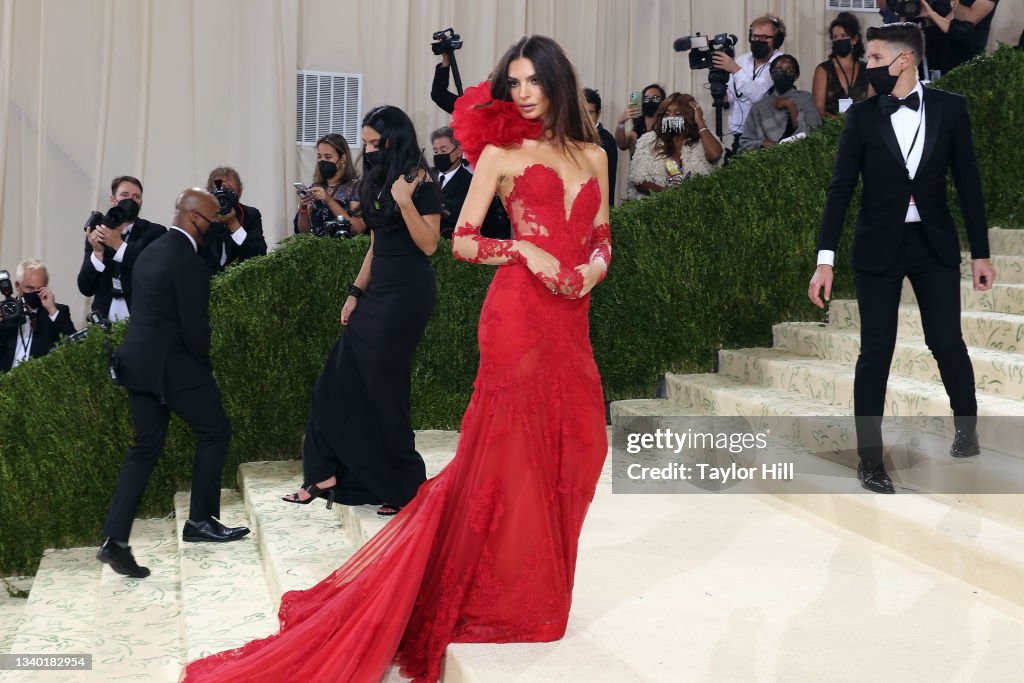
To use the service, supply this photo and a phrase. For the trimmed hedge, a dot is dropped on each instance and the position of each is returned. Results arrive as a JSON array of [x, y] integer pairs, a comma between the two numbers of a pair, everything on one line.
[[711, 264]]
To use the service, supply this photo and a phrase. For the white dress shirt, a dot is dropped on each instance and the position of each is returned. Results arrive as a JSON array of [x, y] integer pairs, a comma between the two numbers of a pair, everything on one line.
[[23, 342], [118, 305], [747, 86], [905, 122]]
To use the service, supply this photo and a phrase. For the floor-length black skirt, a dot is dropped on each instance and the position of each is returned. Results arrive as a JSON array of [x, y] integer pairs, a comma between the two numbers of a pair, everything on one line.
[[359, 426]]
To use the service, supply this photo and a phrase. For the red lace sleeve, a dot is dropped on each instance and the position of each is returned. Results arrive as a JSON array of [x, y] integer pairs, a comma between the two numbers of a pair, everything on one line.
[[488, 250], [480, 120], [601, 247]]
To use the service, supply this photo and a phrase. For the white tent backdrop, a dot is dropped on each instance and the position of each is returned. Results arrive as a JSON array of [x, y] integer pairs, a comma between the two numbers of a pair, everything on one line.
[[168, 89]]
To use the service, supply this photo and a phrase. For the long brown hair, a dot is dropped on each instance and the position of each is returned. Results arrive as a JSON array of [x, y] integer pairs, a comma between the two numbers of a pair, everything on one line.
[[566, 118], [340, 145], [666, 142]]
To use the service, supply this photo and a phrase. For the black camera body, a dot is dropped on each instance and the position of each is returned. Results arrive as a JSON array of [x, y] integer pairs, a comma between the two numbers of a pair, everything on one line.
[[113, 218], [94, 318], [703, 47], [912, 8], [446, 40], [12, 311], [227, 199], [340, 227]]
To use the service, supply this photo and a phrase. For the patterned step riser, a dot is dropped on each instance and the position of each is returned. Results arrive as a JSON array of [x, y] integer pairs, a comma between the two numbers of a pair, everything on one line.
[[994, 373], [1009, 268], [1001, 331], [1001, 241], [1002, 298]]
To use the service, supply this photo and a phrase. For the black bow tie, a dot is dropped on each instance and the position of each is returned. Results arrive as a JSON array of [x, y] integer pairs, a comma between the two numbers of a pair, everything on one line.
[[891, 103]]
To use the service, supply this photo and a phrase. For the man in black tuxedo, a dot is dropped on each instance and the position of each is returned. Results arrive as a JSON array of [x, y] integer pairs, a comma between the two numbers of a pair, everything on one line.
[[164, 364], [244, 236], [611, 150], [455, 177], [903, 141], [111, 252], [46, 320]]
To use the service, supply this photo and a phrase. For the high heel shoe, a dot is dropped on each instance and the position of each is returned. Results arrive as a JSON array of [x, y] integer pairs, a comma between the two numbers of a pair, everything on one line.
[[314, 492]]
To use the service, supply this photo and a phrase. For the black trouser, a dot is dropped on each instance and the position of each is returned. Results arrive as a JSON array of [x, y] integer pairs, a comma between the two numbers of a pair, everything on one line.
[[937, 289], [200, 407]]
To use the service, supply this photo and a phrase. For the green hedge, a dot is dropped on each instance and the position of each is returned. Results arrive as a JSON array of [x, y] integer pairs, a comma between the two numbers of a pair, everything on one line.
[[712, 264]]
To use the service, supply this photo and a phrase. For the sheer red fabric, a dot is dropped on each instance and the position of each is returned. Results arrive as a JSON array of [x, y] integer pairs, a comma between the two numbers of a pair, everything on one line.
[[486, 552]]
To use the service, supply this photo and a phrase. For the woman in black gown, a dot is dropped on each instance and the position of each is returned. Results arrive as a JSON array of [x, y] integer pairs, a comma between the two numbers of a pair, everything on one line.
[[359, 447]]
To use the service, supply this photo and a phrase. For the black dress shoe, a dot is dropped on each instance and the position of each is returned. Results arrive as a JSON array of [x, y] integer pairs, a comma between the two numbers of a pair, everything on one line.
[[876, 480], [211, 531], [120, 560], [965, 444]]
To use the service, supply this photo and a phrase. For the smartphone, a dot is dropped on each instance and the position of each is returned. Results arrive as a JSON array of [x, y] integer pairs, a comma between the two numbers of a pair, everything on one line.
[[300, 189], [636, 99]]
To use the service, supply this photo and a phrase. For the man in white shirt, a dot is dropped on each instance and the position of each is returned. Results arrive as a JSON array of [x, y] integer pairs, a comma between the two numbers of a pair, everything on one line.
[[903, 142], [43, 323], [750, 76], [111, 248]]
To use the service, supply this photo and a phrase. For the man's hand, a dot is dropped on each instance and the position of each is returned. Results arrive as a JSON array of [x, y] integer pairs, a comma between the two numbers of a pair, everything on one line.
[[48, 300], [231, 219], [722, 61], [93, 237], [984, 274], [822, 279], [110, 237], [446, 60]]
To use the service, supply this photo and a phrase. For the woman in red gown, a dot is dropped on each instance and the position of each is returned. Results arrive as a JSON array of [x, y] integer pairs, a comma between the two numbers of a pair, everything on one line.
[[486, 551]]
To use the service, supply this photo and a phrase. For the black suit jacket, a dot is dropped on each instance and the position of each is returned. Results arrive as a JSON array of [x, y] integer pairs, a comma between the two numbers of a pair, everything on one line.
[[868, 147], [453, 195], [96, 284], [44, 337], [254, 243], [169, 331], [611, 150]]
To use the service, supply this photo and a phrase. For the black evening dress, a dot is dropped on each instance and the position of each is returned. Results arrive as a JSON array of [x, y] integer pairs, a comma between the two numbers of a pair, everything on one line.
[[359, 427]]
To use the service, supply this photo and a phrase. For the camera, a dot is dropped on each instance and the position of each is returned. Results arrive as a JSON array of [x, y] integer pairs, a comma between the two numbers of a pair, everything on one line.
[[339, 227], [227, 199], [94, 318], [910, 8], [124, 211], [12, 311], [701, 48], [446, 40]]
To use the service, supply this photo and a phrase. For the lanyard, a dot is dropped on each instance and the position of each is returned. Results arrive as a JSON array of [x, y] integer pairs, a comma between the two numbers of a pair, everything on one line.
[[906, 159], [25, 344]]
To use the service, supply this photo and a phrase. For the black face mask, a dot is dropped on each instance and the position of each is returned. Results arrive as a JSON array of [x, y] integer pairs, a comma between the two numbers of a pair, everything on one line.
[[32, 300], [443, 162], [842, 47], [327, 169], [130, 208], [371, 159], [650, 108], [760, 49], [783, 83], [215, 230], [880, 79]]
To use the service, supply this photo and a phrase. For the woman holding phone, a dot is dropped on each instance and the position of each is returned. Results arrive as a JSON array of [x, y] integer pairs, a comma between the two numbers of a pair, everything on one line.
[[335, 189]]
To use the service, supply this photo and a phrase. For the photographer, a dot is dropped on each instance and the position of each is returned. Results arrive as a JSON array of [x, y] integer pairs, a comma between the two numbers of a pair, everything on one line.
[[454, 178], [784, 112], [44, 320], [112, 244], [244, 238], [333, 196], [955, 30], [750, 74], [445, 43]]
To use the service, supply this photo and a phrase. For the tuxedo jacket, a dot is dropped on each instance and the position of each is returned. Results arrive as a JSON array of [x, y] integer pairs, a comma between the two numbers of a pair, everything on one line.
[[254, 243], [45, 336], [453, 196], [169, 331], [868, 148], [96, 284]]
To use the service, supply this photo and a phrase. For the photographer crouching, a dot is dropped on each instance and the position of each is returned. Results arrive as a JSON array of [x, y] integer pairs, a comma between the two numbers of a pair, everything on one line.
[[32, 322], [244, 236], [113, 241]]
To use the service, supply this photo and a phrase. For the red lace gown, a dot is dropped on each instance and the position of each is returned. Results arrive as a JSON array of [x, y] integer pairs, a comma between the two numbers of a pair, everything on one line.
[[486, 551]]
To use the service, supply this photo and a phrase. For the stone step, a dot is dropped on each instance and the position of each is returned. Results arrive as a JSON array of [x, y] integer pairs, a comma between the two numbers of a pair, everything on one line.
[[59, 613], [984, 329], [966, 542], [225, 596], [996, 372], [1002, 298], [13, 597], [1006, 241], [1009, 267], [137, 634]]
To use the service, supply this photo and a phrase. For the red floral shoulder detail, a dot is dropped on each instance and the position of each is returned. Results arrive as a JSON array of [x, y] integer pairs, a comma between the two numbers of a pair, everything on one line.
[[479, 120]]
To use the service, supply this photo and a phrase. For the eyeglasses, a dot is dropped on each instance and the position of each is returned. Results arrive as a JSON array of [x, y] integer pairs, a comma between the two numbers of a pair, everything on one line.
[[783, 72], [655, 98], [761, 38]]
